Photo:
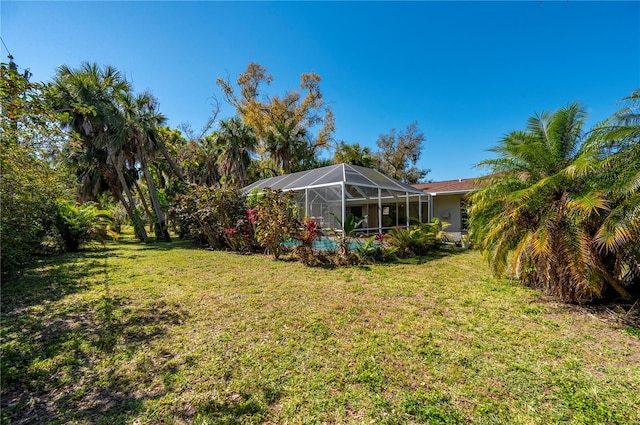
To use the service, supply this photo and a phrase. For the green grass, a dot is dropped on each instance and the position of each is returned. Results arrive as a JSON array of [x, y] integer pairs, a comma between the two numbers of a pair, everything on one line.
[[164, 333]]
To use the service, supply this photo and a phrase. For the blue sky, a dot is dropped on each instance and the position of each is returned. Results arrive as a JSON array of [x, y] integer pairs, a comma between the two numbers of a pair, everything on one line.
[[467, 72]]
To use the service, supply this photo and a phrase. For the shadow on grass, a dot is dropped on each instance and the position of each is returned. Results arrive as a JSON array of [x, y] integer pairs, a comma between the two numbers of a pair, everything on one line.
[[239, 408], [161, 245], [52, 277], [61, 359], [436, 254]]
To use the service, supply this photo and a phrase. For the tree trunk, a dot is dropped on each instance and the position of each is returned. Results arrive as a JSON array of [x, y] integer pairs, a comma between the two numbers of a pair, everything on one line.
[[177, 171], [164, 232], [135, 219], [616, 285], [147, 211]]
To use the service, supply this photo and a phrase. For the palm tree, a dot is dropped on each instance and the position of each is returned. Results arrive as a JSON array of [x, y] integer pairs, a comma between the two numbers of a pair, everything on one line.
[[535, 205], [618, 141], [142, 122], [286, 143], [90, 96], [237, 142], [354, 154]]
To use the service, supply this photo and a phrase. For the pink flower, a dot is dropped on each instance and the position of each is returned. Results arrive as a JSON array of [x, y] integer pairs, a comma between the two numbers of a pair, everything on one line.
[[231, 231], [252, 216]]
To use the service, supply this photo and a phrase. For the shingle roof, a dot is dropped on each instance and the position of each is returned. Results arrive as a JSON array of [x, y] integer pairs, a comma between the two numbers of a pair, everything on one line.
[[448, 186]]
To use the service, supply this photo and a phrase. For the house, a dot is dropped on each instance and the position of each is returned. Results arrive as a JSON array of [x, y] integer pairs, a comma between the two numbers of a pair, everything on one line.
[[329, 194], [447, 201]]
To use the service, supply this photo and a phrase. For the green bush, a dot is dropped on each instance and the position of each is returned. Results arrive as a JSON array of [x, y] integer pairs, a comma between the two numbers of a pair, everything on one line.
[[28, 190], [29, 181], [419, 239], [79, 225]]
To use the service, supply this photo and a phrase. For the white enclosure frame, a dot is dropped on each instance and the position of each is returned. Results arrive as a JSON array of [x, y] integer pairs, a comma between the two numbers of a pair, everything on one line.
[[334, 191]]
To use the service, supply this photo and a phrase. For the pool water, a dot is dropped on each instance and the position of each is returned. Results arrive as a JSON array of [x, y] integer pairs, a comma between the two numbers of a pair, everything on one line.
[[326, 244]]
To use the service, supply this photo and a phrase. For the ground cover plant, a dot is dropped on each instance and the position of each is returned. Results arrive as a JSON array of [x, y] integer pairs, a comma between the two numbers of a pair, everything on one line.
[[164, 333]]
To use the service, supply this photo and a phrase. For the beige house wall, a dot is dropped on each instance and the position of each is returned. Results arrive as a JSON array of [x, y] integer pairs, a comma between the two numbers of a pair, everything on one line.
[[447, 208]]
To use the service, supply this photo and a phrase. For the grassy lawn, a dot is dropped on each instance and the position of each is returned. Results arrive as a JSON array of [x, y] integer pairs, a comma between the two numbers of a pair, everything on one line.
[[164, 333]]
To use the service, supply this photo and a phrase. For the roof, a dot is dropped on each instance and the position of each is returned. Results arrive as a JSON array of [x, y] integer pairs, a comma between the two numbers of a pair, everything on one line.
[[334, 174], [458, 186]]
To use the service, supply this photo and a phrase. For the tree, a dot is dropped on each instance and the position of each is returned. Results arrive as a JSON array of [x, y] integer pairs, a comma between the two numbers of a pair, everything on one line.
[[116, 131], [399, 152], [141, 125], [618, 142], [30, 178], [536, 205], [237, 142], [353, 154], [90, 96], [199, 160], [283, 125]]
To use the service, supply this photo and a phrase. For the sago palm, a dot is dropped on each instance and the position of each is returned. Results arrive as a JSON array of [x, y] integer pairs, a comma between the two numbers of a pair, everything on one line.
[[536, 208], [618, 142]]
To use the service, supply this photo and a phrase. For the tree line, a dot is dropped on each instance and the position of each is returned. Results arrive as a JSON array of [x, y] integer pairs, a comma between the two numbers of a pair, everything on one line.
[[559, 207], [87, 136]]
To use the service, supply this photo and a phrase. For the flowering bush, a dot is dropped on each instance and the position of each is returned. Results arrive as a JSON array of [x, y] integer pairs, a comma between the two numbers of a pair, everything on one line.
[[275, 220], [307, 234], [216, 217]]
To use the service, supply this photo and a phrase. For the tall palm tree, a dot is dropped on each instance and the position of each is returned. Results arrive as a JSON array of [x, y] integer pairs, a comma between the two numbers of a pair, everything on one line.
[[535, 205], [238, 142], [142, 122], [90, 95]]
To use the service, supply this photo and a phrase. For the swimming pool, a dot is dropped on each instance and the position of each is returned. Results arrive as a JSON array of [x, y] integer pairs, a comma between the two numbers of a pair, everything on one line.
[[326, 244]]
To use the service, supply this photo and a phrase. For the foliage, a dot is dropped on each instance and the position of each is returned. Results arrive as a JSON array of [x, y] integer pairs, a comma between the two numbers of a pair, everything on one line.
[[117, 138], [349, 228], [283, 125], [307, 234], [618, 141], [354, 154], [119, 217], [79, 225], [544, 201], [237, 143], [399, 152], [30, 180], [199, 161], [373, 250], [418, 239], [275, 220], [217, 217]]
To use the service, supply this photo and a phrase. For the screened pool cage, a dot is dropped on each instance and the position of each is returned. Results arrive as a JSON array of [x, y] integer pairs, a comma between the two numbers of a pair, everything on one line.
[[330, 193]]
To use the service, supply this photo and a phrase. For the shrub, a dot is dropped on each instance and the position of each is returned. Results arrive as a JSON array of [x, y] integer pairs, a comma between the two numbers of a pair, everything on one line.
[[307, 234], [373, 251], [419, 239], [275, 220], [216, 217], [349, 227], [79, 225], [28, 189]]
